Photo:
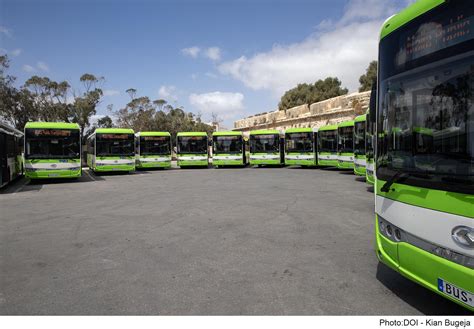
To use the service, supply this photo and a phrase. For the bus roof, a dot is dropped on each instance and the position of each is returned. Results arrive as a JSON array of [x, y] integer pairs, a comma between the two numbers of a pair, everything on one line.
[[227, 133], [349, 123], [52, 125], [328, 127], [361, 118], [299, 130], [153, 133], [265, 132], [406, 15], [114, 131], [9, 130], [192, 133]]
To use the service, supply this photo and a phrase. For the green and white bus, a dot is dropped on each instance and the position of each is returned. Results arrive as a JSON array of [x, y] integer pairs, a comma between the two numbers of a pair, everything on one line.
[[266, 148], [228, 149], [425, 180], [111, 149], [192, 149], [345, 145], [369, 143], [153, 149], [360, 125], [52, 150], [300, 147], [327, 146], [11, 146]]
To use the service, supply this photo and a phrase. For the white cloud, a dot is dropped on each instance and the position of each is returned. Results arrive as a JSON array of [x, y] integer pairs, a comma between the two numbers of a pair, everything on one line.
[[111, 92], [213, 53], [342, 49], [7, 32], [211, 75], [28, 68], [226, 105], [15, 52], [168, 93], [42, 66], [191, 51], [194, 76]]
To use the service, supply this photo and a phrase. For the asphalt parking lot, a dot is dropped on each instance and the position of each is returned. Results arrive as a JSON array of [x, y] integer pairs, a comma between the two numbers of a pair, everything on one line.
[[274, 241]]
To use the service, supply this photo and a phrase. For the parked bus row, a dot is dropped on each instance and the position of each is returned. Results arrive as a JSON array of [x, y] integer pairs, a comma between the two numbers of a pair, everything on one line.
[[53, 149]]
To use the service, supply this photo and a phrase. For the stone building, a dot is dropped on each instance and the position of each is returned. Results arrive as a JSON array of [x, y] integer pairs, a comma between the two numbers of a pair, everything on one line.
[[330, 111]]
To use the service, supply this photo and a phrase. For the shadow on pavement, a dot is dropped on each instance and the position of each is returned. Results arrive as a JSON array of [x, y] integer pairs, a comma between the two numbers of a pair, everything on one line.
[[27, 185], [360, 179], [424, 300], [346, 172]]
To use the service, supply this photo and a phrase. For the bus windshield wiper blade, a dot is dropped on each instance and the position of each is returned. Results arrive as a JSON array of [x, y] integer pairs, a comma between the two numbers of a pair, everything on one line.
[[398, 175], [402, 175]]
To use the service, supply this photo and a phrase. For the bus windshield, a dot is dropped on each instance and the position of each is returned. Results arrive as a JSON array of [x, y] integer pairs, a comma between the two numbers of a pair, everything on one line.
[[359, 138], [299, 142], [115, 144], [426, 118], [227, 144], [327, 141], [52, 143], [265, 143], [345, 139], [192, 144], [155, 145]]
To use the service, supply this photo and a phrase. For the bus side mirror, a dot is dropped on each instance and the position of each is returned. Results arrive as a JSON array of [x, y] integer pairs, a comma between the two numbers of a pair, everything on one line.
[[373, 102]]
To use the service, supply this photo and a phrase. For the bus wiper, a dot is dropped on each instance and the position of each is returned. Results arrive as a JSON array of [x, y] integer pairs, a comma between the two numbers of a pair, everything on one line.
[[402, 175], [397, 176]]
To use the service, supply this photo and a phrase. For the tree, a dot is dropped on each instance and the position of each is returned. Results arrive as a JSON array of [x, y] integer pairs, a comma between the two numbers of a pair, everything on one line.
[[312, 93], [160, 103], [50, 98], [85, 105], [142, 114], [105, 122], [366, 80], [131, 92]]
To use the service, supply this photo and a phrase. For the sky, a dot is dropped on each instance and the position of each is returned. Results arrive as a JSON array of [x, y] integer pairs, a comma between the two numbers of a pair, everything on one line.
[[234, 58]]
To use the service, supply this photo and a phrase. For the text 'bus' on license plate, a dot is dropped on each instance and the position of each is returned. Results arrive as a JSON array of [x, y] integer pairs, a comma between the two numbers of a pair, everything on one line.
[[455, 292]]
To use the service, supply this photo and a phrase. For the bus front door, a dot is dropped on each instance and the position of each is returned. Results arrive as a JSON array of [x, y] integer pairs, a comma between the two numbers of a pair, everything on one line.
[[4, 174]]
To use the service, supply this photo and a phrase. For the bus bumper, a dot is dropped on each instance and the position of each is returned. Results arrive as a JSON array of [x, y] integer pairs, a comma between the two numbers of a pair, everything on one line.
[[153, 164], [227, 162], [265, 162], [114, 168], [47, 174], [193, 163], [369, 178], [424, 268], [345, 164], [300, 162], [359, 170]]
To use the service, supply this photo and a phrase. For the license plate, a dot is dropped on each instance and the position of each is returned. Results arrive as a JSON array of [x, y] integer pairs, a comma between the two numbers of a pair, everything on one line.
[[455, 292], [116, 168], [53, 175]]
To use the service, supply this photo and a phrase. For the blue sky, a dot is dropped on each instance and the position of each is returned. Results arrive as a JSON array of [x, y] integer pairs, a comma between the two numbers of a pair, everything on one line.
[[233, 58]]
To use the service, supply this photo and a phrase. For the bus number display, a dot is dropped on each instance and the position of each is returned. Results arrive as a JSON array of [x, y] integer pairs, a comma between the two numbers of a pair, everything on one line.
[[114, 136], [155, 138], [434, 36], [52, 132]]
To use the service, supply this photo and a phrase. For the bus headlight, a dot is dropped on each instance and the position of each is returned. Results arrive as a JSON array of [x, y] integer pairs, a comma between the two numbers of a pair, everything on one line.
[[396, 234]]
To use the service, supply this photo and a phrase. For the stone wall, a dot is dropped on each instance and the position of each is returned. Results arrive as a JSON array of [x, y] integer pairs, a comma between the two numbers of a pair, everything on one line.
[[330, 111]]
